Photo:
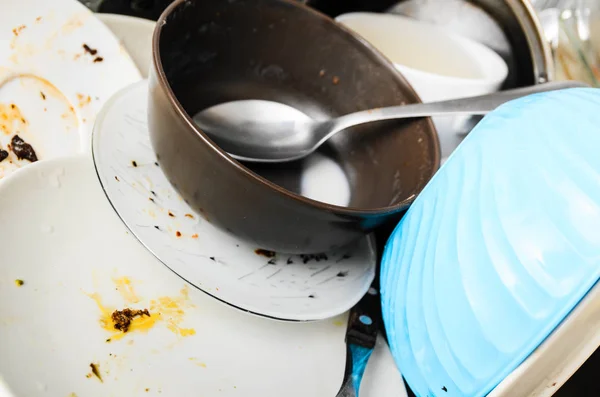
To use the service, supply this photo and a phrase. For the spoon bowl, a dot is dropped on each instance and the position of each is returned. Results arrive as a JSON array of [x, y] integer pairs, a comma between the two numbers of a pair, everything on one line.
[[268, 131]]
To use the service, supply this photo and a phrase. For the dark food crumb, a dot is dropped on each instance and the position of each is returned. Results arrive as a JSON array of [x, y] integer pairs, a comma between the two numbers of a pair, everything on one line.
[[444, 388], [22, 149], [157, 228], [151, 199], [3, 155], [312, 257], [90, 50], [212, 258], [108, 340], [96, 371], [153, 192], [134, 163], [123, 318], [171, 214], [19, 282], [189, 216], [342, 274], [43, 95], [98, 59], [156, 163], [178, 233], [117, 178], [271, 262], [311, 296], [265, 253]]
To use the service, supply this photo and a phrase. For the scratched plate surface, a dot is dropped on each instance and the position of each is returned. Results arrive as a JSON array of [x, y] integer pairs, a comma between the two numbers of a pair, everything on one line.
[[279, 286], [51, 87]]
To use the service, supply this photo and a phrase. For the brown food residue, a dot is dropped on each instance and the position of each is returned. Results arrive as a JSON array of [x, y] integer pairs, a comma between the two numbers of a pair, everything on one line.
[[265, 253], [335, 80], [18, 30], [11, 119], [189, 216], [22, 149], [43, 95], [98, 59], [171, 214], [195, 235], [89, 50], [169, 310], [3, 155], [19, 282], [178, 233], [96, 371], [83, 100], [122, 318], [134, 163]]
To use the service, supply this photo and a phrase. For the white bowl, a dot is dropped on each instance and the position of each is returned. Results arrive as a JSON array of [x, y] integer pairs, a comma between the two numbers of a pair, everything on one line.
[[438, 64]]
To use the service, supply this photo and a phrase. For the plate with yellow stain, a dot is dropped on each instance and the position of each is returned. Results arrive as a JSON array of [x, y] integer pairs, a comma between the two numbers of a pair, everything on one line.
[[58, 65], [86, 310]]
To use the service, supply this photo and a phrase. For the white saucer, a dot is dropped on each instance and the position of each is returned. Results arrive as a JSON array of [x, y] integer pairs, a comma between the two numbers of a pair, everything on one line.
[[51, 87], [283, 287], [63, 240]]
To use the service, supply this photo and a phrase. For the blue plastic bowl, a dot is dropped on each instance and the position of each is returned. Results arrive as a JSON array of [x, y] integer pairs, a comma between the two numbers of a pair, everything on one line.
[[498, 248]]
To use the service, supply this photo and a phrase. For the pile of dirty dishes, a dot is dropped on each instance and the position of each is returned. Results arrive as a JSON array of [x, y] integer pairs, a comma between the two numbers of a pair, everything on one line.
[[85, 309], [138, 258]]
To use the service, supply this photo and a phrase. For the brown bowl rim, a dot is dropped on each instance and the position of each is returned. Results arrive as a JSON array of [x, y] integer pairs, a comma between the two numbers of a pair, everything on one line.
[[174, 102]]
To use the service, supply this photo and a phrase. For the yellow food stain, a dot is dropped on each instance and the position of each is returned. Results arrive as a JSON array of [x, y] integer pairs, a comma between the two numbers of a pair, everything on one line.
[[198, 363], [169, 310], [74, 23], [140, 324], [11, 119], [126, 290], [83, 100], [339, 323]]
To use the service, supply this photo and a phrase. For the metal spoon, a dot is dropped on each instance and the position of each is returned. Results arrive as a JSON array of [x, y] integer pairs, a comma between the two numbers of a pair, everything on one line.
[[266, 131]]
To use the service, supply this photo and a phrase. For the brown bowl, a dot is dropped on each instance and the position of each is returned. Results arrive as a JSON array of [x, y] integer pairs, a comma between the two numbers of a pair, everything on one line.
[[213, 51]]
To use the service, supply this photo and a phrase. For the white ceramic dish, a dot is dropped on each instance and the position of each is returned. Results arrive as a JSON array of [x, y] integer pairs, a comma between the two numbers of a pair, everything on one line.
[[135, 35], [51, 87], [78, 263], [275, 285], [438, 64]]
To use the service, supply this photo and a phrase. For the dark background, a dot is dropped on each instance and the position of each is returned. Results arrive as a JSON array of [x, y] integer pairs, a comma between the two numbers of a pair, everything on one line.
[[584, 382]]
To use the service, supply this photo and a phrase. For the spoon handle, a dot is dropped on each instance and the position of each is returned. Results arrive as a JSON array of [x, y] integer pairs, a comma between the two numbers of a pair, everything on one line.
[[478, 105]]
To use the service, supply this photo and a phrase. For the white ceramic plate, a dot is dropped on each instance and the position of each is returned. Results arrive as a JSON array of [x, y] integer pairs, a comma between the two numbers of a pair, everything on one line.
[[135, 35], [78, 263], [285, 287], [51, 87]]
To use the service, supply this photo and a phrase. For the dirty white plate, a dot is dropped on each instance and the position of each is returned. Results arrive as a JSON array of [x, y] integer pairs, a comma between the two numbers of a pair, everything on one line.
[[288, 287], [77, 263], [135, 35], [51, 86]]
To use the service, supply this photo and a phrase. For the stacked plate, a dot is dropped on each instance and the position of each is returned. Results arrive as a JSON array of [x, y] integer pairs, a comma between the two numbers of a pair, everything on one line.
[[79, 184]]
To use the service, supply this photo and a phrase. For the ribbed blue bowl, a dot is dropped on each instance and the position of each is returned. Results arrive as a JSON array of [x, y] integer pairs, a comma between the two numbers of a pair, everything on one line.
[[498, 248]]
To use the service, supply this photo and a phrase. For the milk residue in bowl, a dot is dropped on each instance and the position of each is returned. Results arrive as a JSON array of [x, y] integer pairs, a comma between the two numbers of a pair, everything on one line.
[[324, 180]]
